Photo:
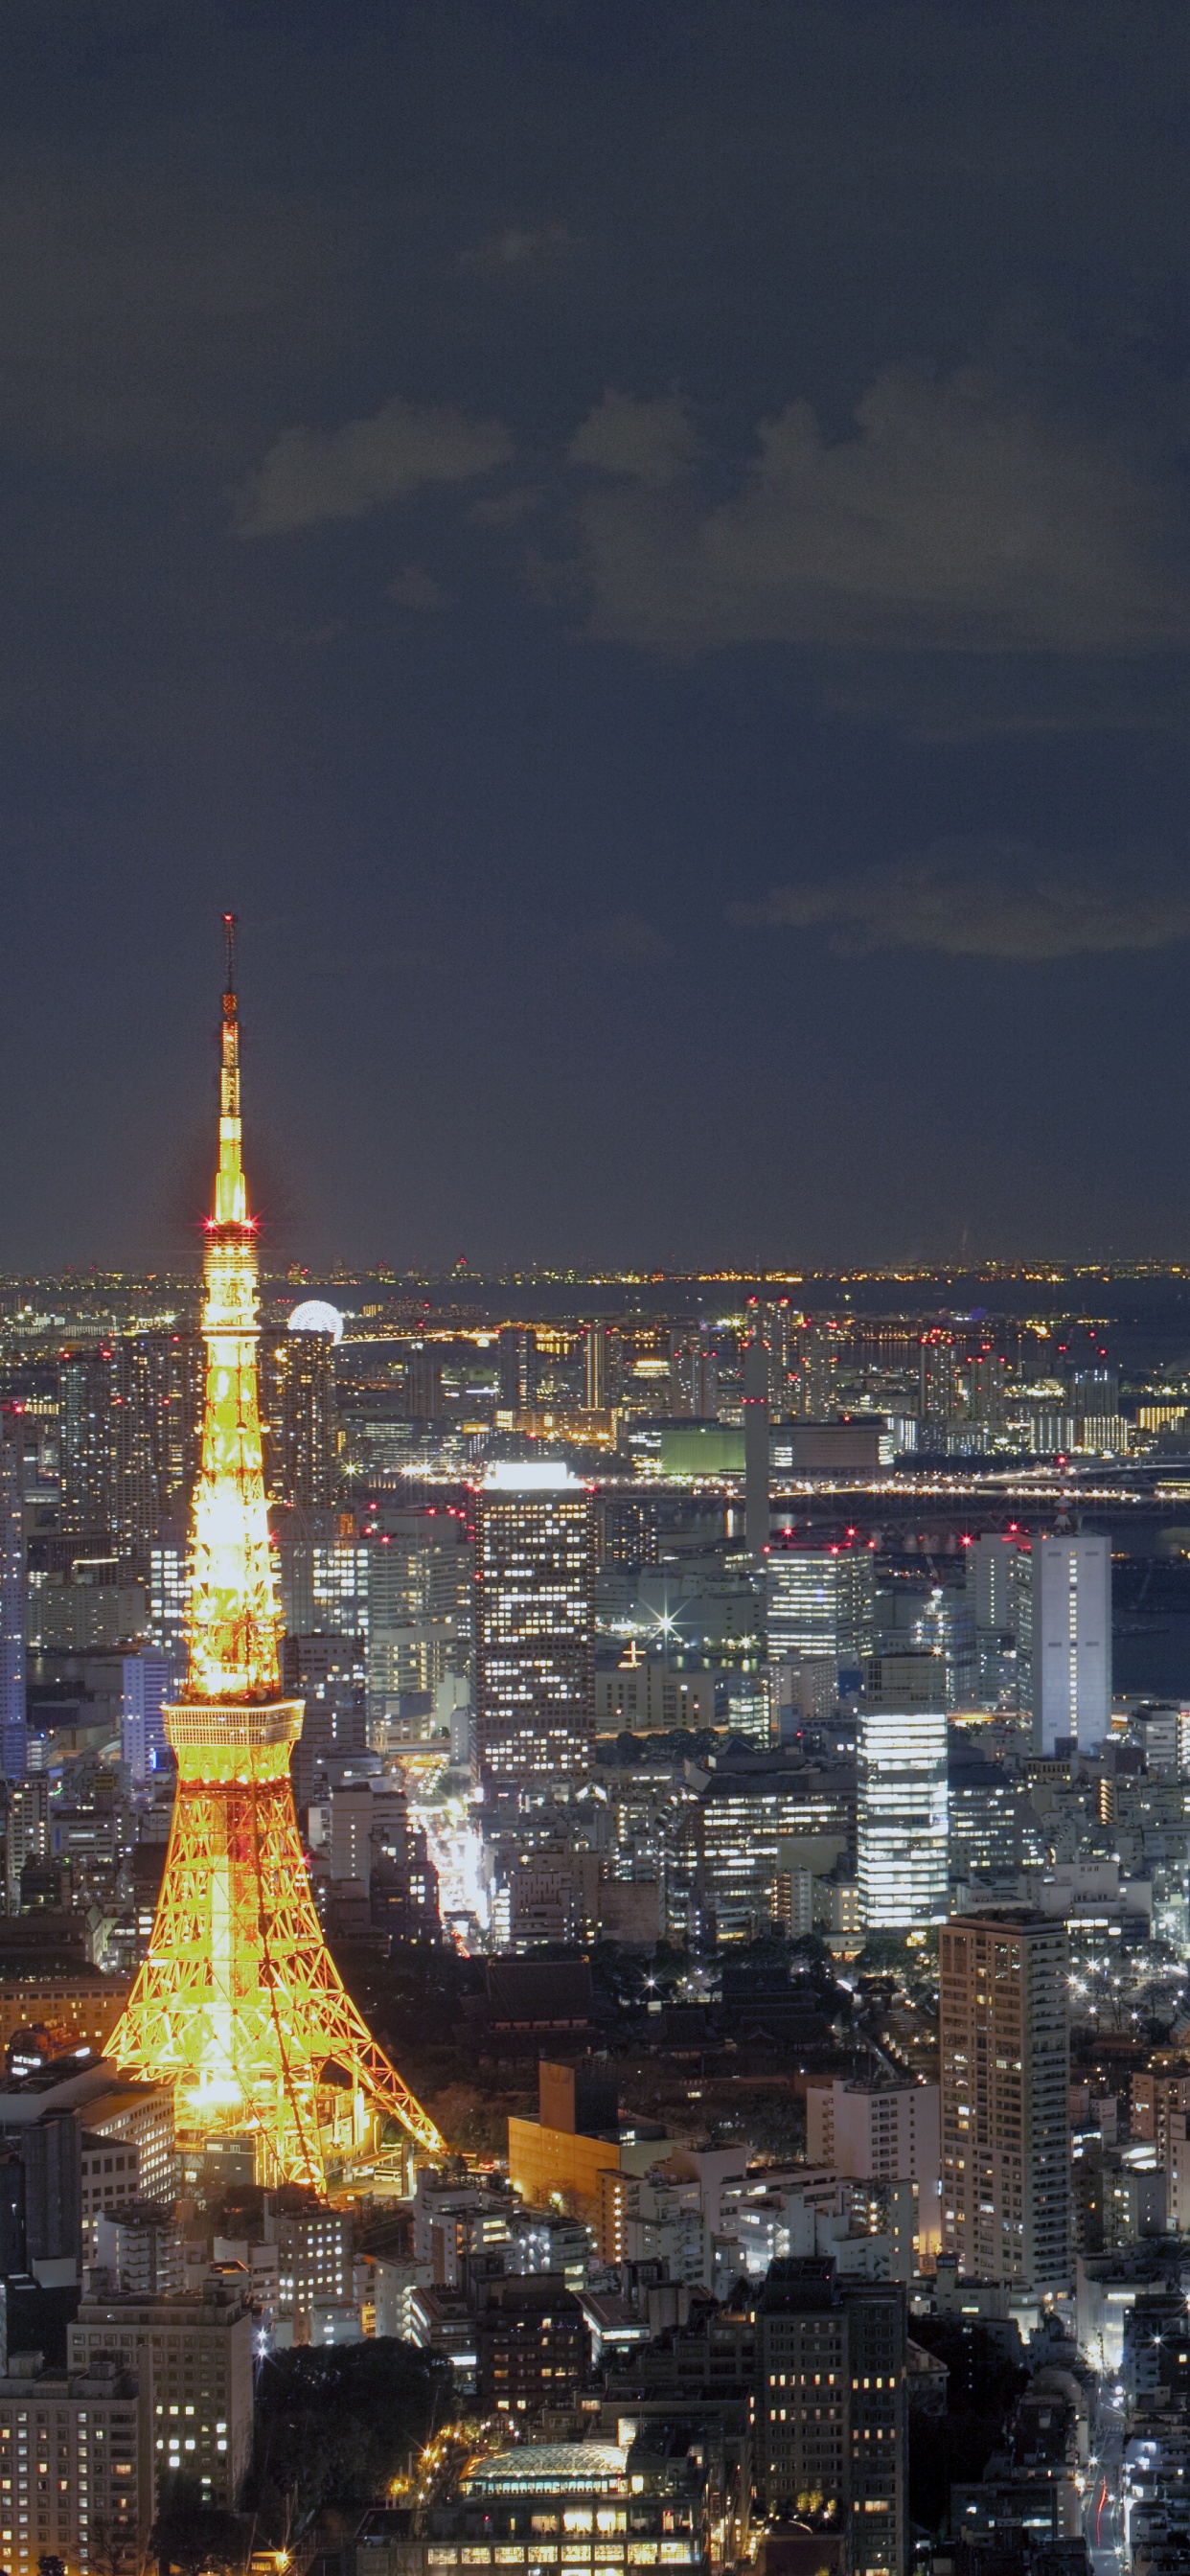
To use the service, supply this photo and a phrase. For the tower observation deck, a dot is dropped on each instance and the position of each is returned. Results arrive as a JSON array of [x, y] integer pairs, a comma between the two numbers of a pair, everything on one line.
[[239, 2001]]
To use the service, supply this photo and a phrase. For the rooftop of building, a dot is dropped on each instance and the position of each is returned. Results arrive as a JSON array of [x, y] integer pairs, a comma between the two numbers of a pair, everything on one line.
[[69, 2084], [559, 2468]]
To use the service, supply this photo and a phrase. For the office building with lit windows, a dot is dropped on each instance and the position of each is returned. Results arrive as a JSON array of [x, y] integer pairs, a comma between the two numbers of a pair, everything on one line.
[[820, 1602], [1071, 1639], [147, 1683], [169, 1597], [831, 2442], [901, 1817], [129, 1426], [731, 1838], [533, 1533], [13, 1734], [1005, 2052], [193, 2359], [298, 1423], [76, 2486]]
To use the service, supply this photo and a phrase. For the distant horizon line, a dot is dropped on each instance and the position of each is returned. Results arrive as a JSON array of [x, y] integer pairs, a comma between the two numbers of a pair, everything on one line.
[[1049, 1270]]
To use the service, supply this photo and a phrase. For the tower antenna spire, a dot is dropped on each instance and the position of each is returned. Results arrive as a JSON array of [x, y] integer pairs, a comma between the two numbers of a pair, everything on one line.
[[230, 922]]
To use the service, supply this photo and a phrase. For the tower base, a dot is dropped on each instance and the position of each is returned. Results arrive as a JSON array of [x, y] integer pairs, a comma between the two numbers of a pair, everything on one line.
[[239, 2001]]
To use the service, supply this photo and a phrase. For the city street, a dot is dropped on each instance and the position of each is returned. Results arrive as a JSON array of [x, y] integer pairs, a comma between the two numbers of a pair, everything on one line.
[[1103, 2518]]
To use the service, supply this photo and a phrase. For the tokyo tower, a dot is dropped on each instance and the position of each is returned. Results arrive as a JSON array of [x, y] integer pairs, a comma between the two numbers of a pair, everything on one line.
[[239, 2000]]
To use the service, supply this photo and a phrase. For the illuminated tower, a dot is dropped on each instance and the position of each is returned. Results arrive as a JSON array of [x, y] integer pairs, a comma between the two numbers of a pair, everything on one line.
[[239, 2000]]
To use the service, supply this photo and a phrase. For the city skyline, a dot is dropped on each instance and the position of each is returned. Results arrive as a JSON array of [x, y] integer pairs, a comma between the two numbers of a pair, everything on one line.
[[595, 1635]]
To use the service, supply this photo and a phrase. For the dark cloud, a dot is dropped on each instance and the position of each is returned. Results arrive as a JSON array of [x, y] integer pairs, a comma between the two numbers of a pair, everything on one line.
[[983, 897], [959, 515], [521, 248], [647, 442], [414, 587], [504, 509], [969, 697], [145, 313], [627, 940], [316, 474]]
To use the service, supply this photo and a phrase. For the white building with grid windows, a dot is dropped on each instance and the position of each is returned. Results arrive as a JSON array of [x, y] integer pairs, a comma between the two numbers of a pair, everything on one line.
[[1071, 1639], [903, 1818]]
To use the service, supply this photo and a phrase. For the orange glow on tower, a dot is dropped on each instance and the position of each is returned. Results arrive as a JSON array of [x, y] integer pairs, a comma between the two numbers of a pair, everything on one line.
[[239, 2000]]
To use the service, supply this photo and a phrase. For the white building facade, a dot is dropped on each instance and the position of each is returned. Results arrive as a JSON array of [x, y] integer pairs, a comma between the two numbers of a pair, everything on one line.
[[1071, 1639], [903, 1820]]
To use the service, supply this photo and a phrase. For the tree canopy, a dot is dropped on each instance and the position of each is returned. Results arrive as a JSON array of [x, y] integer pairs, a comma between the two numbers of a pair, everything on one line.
[[334, 2426]]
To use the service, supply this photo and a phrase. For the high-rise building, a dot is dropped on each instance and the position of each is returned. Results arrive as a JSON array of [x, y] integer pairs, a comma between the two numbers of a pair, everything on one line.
[[193, 2360], [147, 1683], [169, 1597], [533, 1532], [517, 1360], [987, 1382], [1071, 1639], [695, 1373], [28, 1830], [902, 1817], [821, 1603], [322, 1575], [756, 1439], [128, 1430], [814, 1355], [423, 1381], [999, 1582], [831, 2441], [328, 1674], [1005, 2049], [419, 1608], [297, 1417], [733, 1832], [934, 1619], [986, 1816], [595, 1367], [76, 2476], [155, 1410], [13, 1729], [84, 1443], [938, 1360], [238, 2000]]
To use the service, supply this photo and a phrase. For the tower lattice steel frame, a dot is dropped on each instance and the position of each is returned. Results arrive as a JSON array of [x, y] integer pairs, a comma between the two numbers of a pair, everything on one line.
[[239, 2000]]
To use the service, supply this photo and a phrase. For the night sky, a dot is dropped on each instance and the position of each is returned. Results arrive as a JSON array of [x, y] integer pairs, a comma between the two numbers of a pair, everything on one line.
[[644, 549]]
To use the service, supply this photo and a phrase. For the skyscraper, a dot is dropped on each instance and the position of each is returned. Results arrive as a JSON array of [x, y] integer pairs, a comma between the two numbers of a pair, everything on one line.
[[1006, 2200], [831, 2443], [517, 1353], [129, 1416], [239, 2001], [595, 1367], [820, 1602], [1071, 1639], [814, 1359], [12, 1600], [756, 1438], [937, 1386], [902, 1818], [533, 1530], [147, 1682], [297, 1405]]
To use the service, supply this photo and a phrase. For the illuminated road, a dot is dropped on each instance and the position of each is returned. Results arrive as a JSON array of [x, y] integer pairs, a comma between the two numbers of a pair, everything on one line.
[[454, 1848], [1103, 2519]]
